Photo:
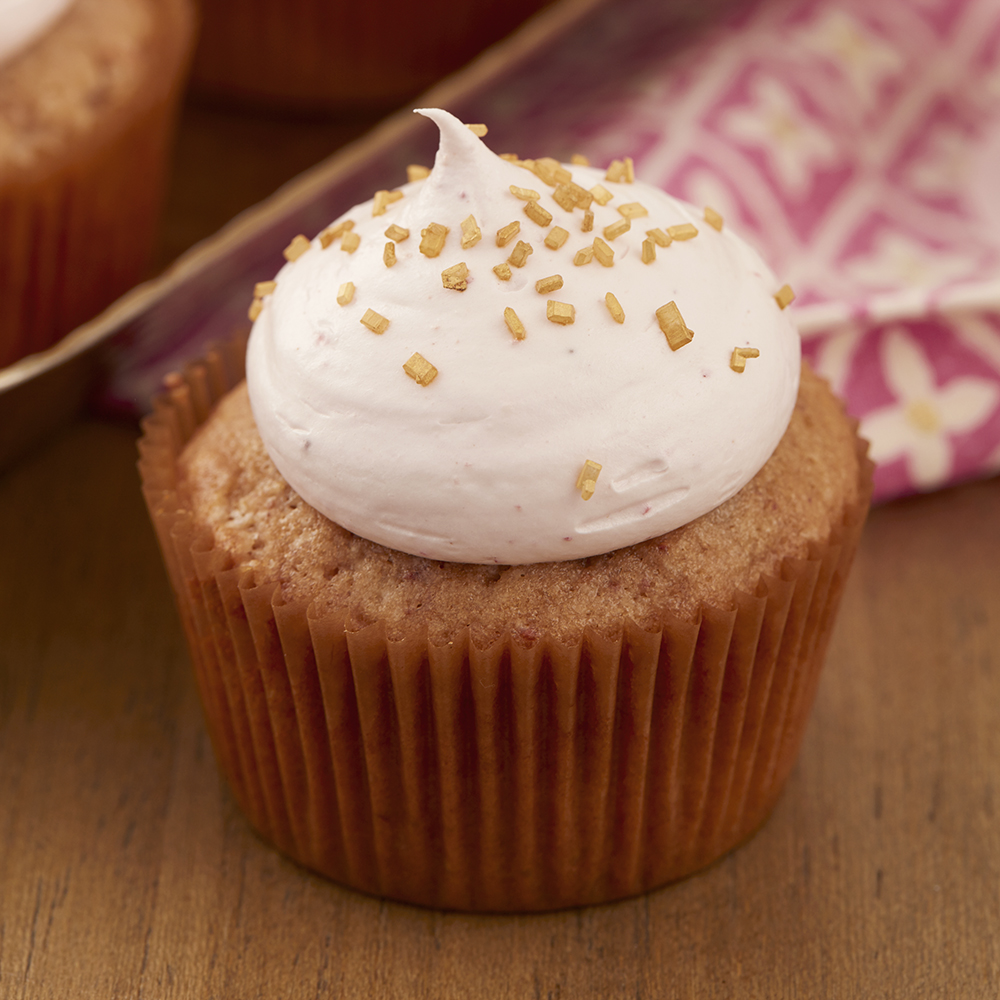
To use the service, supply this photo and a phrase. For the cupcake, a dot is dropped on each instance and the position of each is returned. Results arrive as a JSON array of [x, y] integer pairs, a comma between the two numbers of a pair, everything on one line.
[[88, 93], [509, 570], [329, 55]]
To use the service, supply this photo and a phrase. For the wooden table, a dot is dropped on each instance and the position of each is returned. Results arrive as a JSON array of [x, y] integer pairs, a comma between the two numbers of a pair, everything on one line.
[[127, 871]]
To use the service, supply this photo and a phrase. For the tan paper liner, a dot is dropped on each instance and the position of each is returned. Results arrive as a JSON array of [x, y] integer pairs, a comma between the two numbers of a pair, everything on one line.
[[79, 230], [505, 778]]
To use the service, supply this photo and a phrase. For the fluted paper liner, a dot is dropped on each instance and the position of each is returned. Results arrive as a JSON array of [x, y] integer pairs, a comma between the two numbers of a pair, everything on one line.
[[510, 777]]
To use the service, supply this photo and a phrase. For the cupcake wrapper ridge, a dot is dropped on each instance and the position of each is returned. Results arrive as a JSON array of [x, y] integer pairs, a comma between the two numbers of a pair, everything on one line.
[[511, 777]]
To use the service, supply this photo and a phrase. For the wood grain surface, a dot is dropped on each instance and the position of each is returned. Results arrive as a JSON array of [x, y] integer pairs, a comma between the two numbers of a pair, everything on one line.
[[127, 871]]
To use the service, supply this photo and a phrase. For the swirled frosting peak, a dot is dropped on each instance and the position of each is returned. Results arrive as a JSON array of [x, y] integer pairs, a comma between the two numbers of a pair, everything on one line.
[[520, 361]]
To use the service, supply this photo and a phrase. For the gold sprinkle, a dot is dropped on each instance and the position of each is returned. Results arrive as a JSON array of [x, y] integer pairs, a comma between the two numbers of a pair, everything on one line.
[[633, 210], [519, 255], [616, 229], [659, 237], [604, 254], [416, 172], [621, 171], [345, 293], [785, 296], [588, 222], [579, 160], [525, 164], [296, 248], [614, 307], [536, 213], [601, 194], [374, 322], [551, 171], [556, 237], [471, 233], [685, 231], [713, 218], [571, 195], [559, 312], [502, 271], [586, 482], [432, 239], [550, 284], [455, 277], [510, 157], [479, 130], [515, 326], [332, 232], [389, 254], [505, 235], [349, 242], [383, 199], [420, 369], [397, 233], [738, 360], [255, 309], [673, 326], [583, 256], [263, 288], [648, 251], [616, 171], [525, 194]]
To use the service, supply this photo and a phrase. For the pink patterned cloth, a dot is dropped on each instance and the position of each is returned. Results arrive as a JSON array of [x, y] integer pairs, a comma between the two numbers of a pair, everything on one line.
[[858, 145]]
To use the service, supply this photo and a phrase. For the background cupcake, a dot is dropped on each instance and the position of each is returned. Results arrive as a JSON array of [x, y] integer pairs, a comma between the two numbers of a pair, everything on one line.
[[318, 55], [87, 105]]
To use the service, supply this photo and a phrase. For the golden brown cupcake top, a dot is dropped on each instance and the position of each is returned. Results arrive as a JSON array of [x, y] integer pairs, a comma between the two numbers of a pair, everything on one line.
[[801, 493]]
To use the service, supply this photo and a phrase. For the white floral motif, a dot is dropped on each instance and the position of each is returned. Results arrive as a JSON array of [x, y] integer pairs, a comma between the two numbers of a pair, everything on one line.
[[978, 334], [897, 260], [917, 426], [944, 167], [834, 358], [775, 122], [859, 55]]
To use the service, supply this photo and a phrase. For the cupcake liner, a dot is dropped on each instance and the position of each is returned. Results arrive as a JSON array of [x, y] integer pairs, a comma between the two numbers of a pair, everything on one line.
[[79, 227], [510, 777]]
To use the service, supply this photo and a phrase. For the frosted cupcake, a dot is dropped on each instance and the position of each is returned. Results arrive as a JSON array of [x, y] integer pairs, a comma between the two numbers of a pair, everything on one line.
[[509, 573], [88, 93]]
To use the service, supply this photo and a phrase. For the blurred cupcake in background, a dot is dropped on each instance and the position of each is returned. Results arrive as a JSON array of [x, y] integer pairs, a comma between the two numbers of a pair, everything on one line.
[[331, 55], [88, 93]]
